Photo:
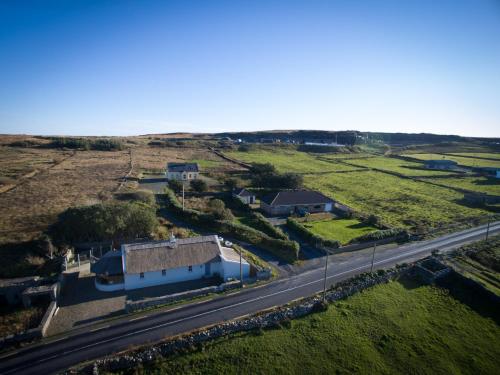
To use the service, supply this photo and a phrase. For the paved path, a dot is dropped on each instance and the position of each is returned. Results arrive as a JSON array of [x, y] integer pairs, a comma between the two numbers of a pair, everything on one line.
[[51, 356]]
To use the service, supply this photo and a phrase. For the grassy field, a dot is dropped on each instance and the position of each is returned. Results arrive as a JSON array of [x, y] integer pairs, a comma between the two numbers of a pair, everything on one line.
[[488, 155], [389, 329], [289, 161], [398, 201], [479, 184], [343, 230], [469, 162], [403, 167]]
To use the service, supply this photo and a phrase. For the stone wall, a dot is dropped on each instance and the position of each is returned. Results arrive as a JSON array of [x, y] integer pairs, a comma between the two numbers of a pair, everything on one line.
[[258, 321]]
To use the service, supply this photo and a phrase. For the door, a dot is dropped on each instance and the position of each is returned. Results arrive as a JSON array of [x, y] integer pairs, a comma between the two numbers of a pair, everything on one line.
[[207, 269]]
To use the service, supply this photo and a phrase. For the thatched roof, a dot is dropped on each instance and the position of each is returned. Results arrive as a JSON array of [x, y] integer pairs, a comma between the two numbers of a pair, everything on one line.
[[164, 255]]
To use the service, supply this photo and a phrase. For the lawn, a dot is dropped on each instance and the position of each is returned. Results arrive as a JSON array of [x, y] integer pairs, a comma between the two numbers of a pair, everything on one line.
[[286, 160], [479, 184], [343, 230], [389, 329], [398, 201], [469, 162]]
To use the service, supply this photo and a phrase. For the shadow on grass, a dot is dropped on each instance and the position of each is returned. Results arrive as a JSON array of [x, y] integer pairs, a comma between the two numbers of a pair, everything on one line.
[[410, 282], [469, 293]]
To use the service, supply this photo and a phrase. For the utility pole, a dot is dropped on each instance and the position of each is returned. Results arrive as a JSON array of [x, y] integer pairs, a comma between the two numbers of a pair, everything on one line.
[[182, 195], [324, 281], [488, 228], [373, 256], [241, 269]]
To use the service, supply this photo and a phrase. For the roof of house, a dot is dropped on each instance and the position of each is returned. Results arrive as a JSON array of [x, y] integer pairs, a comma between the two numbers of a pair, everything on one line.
[[440, 161], [110, 264], [295, 197], [243, 193], [162, 255], [182, 167]]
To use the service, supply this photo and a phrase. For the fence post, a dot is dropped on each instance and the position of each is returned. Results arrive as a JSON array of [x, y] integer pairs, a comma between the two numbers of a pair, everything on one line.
[[78, 257]]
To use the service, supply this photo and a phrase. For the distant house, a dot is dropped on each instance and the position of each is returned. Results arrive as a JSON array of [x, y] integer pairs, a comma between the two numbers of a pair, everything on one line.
[[440, 164], [244, 195], [490, 171], [295, 201], [140, 265], [182, 171]]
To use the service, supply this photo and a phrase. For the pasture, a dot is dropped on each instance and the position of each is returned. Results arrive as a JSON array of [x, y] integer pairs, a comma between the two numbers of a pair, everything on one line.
[[395, 328], [465, 161]]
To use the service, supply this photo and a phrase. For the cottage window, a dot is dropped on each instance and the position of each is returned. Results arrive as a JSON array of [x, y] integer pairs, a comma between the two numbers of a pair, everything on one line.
[[190, 268], [317, 206], [164, 272], [141, 275], [190, 175]]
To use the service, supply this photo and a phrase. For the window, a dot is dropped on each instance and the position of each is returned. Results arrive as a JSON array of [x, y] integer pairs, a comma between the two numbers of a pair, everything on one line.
[[141, 275], [318, 206], [190, 268], [190, 175], [164, 272]]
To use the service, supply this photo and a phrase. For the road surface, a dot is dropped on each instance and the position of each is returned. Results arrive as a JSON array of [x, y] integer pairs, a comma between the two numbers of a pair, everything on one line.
[[51, 356]]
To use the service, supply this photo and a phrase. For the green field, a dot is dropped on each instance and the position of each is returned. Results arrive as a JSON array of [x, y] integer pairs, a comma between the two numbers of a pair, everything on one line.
[[207, 164], [479, 184], [289, 161], [403, 167], [488, 155], [389, 329], [398, 201], [469, 162], [343, 230]]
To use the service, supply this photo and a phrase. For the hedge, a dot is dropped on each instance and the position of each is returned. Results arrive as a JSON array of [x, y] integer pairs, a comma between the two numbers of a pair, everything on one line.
[[284, 249], [310, 237], [264, 225], [381, 234]]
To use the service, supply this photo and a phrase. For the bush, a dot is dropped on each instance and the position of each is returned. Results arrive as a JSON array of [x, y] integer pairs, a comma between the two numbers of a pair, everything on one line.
[[108, 221], [260, 222], [231, 184], [382, 234], [310, 237], [175, 185], [198, 185], [101, 144], [219, 211]]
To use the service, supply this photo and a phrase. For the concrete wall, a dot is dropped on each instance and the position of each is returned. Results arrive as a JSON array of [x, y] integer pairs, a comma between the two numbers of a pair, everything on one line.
[[175, 275]]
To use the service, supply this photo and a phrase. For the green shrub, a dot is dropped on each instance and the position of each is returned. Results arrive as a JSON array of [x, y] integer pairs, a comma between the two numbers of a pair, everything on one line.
[[175, 185], [198, 185], [100, 222], [260, 222], [382, 234]]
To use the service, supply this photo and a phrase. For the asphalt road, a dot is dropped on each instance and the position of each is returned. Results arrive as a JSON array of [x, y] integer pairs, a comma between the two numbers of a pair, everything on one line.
[[52, 356]]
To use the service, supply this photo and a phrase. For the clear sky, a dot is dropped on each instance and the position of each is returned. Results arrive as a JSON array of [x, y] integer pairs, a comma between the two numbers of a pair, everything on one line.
[[136, 67]]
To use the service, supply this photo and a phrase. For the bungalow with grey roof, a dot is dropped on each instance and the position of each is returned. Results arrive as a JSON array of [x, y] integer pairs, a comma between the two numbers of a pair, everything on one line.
[[295, 201]]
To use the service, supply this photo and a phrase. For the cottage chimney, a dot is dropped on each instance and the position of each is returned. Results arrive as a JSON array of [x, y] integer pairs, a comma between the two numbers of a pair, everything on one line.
[[172, 239]]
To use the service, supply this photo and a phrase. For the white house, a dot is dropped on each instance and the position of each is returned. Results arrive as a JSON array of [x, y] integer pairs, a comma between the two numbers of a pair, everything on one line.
[[164, 262], [182, 171], [244, 195]]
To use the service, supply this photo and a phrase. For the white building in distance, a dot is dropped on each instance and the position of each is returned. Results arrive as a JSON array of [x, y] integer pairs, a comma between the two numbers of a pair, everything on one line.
[[182, 171]]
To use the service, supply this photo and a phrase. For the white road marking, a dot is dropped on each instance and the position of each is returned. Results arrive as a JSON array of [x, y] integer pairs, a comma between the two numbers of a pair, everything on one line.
[[425, 248], [99, 328]]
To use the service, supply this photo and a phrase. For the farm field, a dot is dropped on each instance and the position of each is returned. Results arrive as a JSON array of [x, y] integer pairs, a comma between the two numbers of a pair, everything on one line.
[[469, 162], [399, 202], [479, 184], [403, 167], [343, 230], [289, 161], [393, 328], [488, 155]]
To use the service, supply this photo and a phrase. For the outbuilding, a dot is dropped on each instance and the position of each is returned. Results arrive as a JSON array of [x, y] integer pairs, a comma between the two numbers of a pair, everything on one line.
[[244, 196], [441, 164]]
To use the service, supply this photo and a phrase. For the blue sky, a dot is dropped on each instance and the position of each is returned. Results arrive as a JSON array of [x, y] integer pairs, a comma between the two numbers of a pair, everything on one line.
[[135, 67]]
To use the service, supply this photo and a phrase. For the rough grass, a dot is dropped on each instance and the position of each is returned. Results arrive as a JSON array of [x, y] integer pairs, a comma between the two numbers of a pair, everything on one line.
[[389, 329], [478, 184], [488, 155], [18, 319], [289, 161], [469, 162], [343, 230], [398, 201]]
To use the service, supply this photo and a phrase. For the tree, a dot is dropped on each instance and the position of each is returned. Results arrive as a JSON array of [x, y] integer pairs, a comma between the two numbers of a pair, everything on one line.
[[199, 185], [175, 185], [105, 221], [218, 209], [231, 184], [262, 169]]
